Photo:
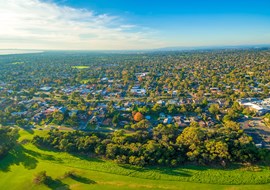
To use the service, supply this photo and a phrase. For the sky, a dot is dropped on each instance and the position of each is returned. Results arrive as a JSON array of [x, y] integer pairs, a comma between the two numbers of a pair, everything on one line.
[[132, 24]]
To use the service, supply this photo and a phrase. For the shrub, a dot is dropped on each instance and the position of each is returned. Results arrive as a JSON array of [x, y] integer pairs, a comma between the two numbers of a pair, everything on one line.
[[40, 178]]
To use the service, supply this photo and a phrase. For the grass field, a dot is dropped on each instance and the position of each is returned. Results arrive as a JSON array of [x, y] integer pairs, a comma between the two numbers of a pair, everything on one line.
[[18, 168], [17, 63], [80, 67]]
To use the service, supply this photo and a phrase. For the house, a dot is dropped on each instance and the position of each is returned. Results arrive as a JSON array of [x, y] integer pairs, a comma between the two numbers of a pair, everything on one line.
[[202, 124], [186, 121], [19, 113], [207, 94], [104, 79], [94, 120], [172, 102], [162, 115], [85, 91], [214, 89], [259, 106], [123, 123], [221, 102], [107, 122], [168, 120], [46, 88], [50, 110], [177, 120], [62, 109], [161, 102], [127, 104], [82, 117], [174, 93], [138, 91], [38, 117]]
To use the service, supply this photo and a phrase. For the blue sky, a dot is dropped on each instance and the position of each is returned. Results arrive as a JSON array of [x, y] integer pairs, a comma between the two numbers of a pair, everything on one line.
[[133, 24]]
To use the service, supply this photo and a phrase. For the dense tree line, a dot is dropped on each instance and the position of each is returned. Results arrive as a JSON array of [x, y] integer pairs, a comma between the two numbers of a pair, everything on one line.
[[164, 146]]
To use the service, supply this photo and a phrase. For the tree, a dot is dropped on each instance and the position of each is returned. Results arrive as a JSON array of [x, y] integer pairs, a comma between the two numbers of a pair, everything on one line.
[[22, 122], [217, 150], [198, 110], [237, 107], [248, 112], [192, 139], [139, 161], [138, 117], [144, 110], [115, 119], [156, 108], [267, 119], [204, 102], [191, 135], [8, 140], [214, 109], [143, 124], [58, 117]]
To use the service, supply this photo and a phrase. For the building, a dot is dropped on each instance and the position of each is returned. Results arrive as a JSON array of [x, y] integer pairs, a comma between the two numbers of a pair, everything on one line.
[[138, 91], [46, 88], [259, 106]]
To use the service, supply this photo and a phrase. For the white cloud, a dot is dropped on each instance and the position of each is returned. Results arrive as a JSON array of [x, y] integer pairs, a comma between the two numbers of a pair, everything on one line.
[[32, 24]]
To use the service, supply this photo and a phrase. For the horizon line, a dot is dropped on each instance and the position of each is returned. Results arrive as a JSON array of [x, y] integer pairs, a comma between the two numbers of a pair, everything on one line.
[[158, 48]]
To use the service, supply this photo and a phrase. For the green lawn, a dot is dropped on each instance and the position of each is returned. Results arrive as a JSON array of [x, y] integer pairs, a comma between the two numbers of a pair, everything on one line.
[[80, 67], [18, 168]]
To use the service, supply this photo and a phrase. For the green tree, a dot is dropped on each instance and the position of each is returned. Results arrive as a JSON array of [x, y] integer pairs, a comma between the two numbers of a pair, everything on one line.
[[214, 109]]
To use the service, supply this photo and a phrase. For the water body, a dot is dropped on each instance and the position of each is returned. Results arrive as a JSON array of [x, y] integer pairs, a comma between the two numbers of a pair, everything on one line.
[[11, 52]]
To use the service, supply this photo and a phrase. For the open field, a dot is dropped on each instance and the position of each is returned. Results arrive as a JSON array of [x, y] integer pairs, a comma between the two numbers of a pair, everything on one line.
[[80, 67], [17, 63], [18, 168]]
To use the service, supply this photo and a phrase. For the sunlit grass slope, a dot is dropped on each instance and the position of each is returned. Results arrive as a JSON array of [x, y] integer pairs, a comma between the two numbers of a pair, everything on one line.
[[17, 171]]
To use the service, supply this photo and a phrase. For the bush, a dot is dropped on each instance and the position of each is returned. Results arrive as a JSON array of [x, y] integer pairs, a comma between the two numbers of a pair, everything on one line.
[[69, 174], [40, 178]]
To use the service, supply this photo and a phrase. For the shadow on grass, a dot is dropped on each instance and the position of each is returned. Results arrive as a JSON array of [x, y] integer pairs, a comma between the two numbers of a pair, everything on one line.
[[134, 168], [43, 156], [18, 156], [185, 170], [82, 179], [56, 184], [29, 130], [175, 172], [81, 156], [162, 170], [87, 157]]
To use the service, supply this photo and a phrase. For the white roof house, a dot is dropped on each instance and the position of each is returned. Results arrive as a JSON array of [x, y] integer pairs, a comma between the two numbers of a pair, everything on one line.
[[138, 90]]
